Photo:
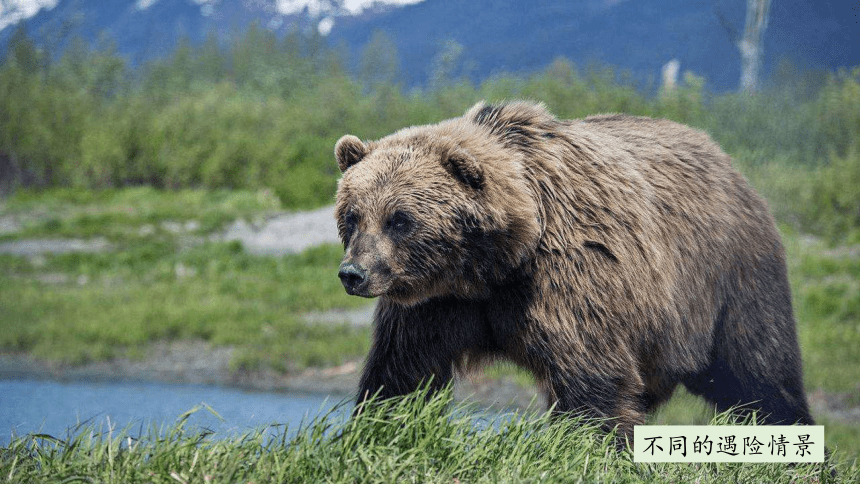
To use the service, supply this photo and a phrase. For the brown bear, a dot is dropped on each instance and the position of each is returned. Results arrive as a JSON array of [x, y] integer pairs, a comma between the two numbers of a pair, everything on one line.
[[614, 257]]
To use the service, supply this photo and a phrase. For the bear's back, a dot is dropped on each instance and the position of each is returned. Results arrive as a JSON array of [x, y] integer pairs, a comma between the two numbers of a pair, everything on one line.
[[674, 224]]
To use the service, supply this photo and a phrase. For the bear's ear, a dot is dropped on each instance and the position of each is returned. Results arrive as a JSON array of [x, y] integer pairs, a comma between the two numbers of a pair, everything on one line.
[[464, 167], [349, 150]]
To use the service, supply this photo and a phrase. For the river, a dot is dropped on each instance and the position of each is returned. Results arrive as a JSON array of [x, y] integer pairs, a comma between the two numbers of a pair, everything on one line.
[[52, 407]]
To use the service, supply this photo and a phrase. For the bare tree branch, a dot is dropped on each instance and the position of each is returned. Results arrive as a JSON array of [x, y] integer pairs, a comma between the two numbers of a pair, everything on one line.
[[724, 22]]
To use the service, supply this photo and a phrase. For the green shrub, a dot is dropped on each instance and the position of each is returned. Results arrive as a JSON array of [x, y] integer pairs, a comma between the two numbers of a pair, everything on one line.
[[264, 113], [833, 196]]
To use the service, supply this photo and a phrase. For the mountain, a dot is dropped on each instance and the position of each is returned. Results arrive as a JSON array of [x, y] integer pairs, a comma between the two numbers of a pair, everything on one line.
[[145, 29], [635, 35], [483, 37]]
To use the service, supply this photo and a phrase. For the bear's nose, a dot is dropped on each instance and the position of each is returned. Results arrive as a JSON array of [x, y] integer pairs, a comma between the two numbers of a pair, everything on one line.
[[352, 276]]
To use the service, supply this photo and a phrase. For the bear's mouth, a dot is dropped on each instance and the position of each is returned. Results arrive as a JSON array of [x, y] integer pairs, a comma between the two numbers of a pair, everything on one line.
[[395, 292], [357, 282], [361, 292], [361, 288]]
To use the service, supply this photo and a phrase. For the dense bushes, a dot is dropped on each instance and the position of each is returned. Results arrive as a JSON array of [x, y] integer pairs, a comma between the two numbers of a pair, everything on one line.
[[265, 112]]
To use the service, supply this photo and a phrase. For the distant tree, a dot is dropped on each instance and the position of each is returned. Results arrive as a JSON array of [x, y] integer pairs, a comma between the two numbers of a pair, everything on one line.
[[446, 64], [22, 50], [750, 45], [244, 54], [177, 71], [379, 64], [211, 58]]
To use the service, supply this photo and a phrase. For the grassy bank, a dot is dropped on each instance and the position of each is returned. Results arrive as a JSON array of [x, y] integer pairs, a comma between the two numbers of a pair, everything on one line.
[[162, 277], [404, 441], [161, 280], [263, 113]]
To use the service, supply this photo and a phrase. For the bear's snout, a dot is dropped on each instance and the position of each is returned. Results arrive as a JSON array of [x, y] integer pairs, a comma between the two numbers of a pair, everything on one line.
[[353, 277]]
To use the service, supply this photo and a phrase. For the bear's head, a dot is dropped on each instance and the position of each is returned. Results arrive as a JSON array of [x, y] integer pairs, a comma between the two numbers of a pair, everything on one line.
[[433, 211]]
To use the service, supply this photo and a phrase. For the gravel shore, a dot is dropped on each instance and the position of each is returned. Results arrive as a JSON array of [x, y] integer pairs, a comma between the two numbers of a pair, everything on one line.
[[200, 363]]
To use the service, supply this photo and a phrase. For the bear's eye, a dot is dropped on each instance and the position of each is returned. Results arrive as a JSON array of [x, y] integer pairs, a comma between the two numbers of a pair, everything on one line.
[[350, 222], [399, 222]]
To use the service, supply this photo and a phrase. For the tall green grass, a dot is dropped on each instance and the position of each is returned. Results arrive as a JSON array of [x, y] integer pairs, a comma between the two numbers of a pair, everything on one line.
[[404, 440]]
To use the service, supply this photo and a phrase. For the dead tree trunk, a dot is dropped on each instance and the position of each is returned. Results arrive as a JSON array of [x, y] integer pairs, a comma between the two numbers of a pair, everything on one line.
[[751, 44]]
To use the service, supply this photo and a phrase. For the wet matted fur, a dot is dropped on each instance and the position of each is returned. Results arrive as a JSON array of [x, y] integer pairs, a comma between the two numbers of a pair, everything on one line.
[[614, 257]]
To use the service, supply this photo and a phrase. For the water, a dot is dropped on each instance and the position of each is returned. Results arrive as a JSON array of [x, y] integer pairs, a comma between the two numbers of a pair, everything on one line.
[[51, 407]]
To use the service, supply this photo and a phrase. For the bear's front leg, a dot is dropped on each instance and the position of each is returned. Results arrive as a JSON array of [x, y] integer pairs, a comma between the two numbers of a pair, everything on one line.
[[398, 370], [417, 345], [613, 401]]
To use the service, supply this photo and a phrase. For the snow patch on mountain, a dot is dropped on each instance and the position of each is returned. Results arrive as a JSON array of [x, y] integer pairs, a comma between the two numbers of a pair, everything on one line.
[[315, 8], [325, 25], [12, 11]]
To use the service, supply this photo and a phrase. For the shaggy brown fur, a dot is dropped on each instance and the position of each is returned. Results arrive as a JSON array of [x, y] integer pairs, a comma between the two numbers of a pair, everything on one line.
[[614, 257]]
